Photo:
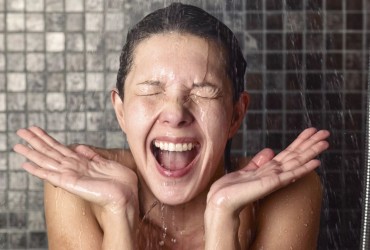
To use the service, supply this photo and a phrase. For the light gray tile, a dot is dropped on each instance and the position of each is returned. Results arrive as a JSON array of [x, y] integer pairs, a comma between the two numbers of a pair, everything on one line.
[[55, 82], [94, 42], [2, 62], [114, 41], [95, 81], [2, 42], [18, 180], [2, 21], [35, 102], [75, 81], [54, 62], [35, 22], [2, 82], [16, 81], [36, 119], [76, 121], [75, 102], [95, 138], [3, 179], [114, 21], [3, 146], [75, 42], [116, 140], [15, 62], [74, 22], [16, 102], [35, 62], [76, 137], [54, 5], [75, 62], [94, 101], [16, 121], [17, 200], [36, 220], [2, 102], [94, 21], [35, 184], [56, 121], [15, 5], [55, 101], [94, 5], [55, 41], [35, 199], [112, 62], [15, 42], [3, 165], [94, 62], [35, 5], [2, 123], [15, 22], [95, 121], [74, 5], [59, 136], [35, 41]]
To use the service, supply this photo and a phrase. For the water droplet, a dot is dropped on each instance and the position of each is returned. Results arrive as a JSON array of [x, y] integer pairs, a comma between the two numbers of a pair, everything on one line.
[[161, 243]]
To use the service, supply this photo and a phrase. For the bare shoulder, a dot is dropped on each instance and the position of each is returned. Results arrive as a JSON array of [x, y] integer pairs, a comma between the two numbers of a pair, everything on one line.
[[291, 213], [71, 223]]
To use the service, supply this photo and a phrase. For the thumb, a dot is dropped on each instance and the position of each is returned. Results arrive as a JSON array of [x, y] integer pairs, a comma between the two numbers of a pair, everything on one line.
[[88, 153], [265, 155]]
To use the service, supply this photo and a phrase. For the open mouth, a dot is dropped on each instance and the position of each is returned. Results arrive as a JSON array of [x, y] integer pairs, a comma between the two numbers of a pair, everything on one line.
[[174, 157]]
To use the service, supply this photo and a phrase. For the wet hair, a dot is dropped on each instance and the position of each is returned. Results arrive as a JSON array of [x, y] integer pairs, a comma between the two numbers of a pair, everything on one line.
[[192, 20]]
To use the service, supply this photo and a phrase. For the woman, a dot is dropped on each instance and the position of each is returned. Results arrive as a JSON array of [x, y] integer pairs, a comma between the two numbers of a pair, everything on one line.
[[180, 99]]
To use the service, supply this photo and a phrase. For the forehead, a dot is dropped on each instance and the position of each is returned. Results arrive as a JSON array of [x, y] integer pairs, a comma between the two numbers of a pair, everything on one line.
[[179, 54]]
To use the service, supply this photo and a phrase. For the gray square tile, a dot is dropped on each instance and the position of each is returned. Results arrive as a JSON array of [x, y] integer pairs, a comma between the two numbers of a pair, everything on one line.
[[2, 102], [18, 180], [35, 201], [15, 62], [76, 121], [94, 5], [114, 41], [94, 21], [75, 102], [55, 101], [2, 42], [17, 220], [15, 22], [3, 146], [75, 22], [17, 200], [2, 125], [35, 102], [2, 62], [55, 82], [57, 135], [94, 62], [16, 121], [75, 42], [94, 101], [55, 22], [116, 140], [95, 121], [76, 137], [112, 62], [35, 82], [75, 62], [56, 121], [35, 220], [35, 22], [15, 160], [15, 42], [35, 5], [16, 81], [16, 102], [36, 119], [15, 5], [2, 21], [75, 81], [55, 41], [94, 41], [3, 180], [95, 138], [114, 21], [95, 81], [2, 82], [35, 62], [74, 5], [36, 184], [54, 62], [35, 42], [54, 5]]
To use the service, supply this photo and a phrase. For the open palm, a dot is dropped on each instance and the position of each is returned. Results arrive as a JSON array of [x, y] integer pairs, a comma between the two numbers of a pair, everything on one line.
[[80, 171]]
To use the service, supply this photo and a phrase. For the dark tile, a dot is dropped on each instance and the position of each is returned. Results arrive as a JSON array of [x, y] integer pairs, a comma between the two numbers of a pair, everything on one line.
[[334, 101], [39, 240], [233, 5], [35, 82], [295, 121], [94, 101], [4, 240], [354, 41], [274, 5], [256, 101], [334, 61], [254, 121], [354, 81], [354, 21], [354, 5], [17, 241], [294, 81], [254, 81], [3, 221], [294, 4], [274, 141], [254, 5], [333, 161], [274, 41], [335, 120], [334, 81], [333, 5], [294, 61], [314, 101], [274, 21], [353, 121], [314, 5], [314, 81], [314, 61], [354, 61], [314, 21], [254, 21], [294, 101], [274, 82], [55, 22], [274, 121], [293, 41], [354, 101], [255, 61], [353, 162], [314, 41], [254, 141], [274, 101], [333, 181], [17, 220], [334, 21], [274, 61], [334, 41]]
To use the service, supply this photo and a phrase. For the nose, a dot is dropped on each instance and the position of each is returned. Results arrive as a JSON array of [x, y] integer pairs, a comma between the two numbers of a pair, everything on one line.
[[176, 114]]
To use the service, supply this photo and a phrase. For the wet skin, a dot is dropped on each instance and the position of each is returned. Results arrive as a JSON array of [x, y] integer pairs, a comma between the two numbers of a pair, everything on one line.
[[177, 91]]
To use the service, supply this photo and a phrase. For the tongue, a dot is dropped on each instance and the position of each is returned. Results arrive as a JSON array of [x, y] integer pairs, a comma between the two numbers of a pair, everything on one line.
[[175, 160]]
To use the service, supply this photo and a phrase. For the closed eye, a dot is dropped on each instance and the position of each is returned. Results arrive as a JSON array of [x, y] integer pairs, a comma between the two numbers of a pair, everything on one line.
[[206, 90], [149, 88]]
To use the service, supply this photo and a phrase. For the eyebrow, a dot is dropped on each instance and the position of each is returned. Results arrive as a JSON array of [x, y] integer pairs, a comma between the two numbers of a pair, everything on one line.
[[150, 82], [203, 84]]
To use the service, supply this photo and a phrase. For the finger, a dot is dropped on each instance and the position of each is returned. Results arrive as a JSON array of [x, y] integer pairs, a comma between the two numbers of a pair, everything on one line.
[[287, 177], [259, 159], [51, 141], [40, 159]]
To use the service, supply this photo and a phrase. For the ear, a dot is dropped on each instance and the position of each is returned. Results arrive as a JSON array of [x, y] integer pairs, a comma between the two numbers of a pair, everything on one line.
[[118, 108], [240, 109]]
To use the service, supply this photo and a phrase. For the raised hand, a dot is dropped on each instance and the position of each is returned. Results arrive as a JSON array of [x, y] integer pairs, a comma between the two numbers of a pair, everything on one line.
[[82, 172], [265, 173]]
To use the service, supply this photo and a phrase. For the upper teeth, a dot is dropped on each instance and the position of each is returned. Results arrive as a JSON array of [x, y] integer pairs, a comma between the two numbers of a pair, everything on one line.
[[178, 147]]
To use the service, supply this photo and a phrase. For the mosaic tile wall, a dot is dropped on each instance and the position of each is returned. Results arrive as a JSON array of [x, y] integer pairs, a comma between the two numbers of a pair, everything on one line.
[[307, 66]]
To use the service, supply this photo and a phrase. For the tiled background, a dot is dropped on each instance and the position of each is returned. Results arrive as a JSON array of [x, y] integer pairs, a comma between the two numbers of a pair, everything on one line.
[[307, 67]]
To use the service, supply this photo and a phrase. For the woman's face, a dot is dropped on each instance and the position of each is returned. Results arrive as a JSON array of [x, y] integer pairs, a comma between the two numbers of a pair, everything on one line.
[[177, 114]]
